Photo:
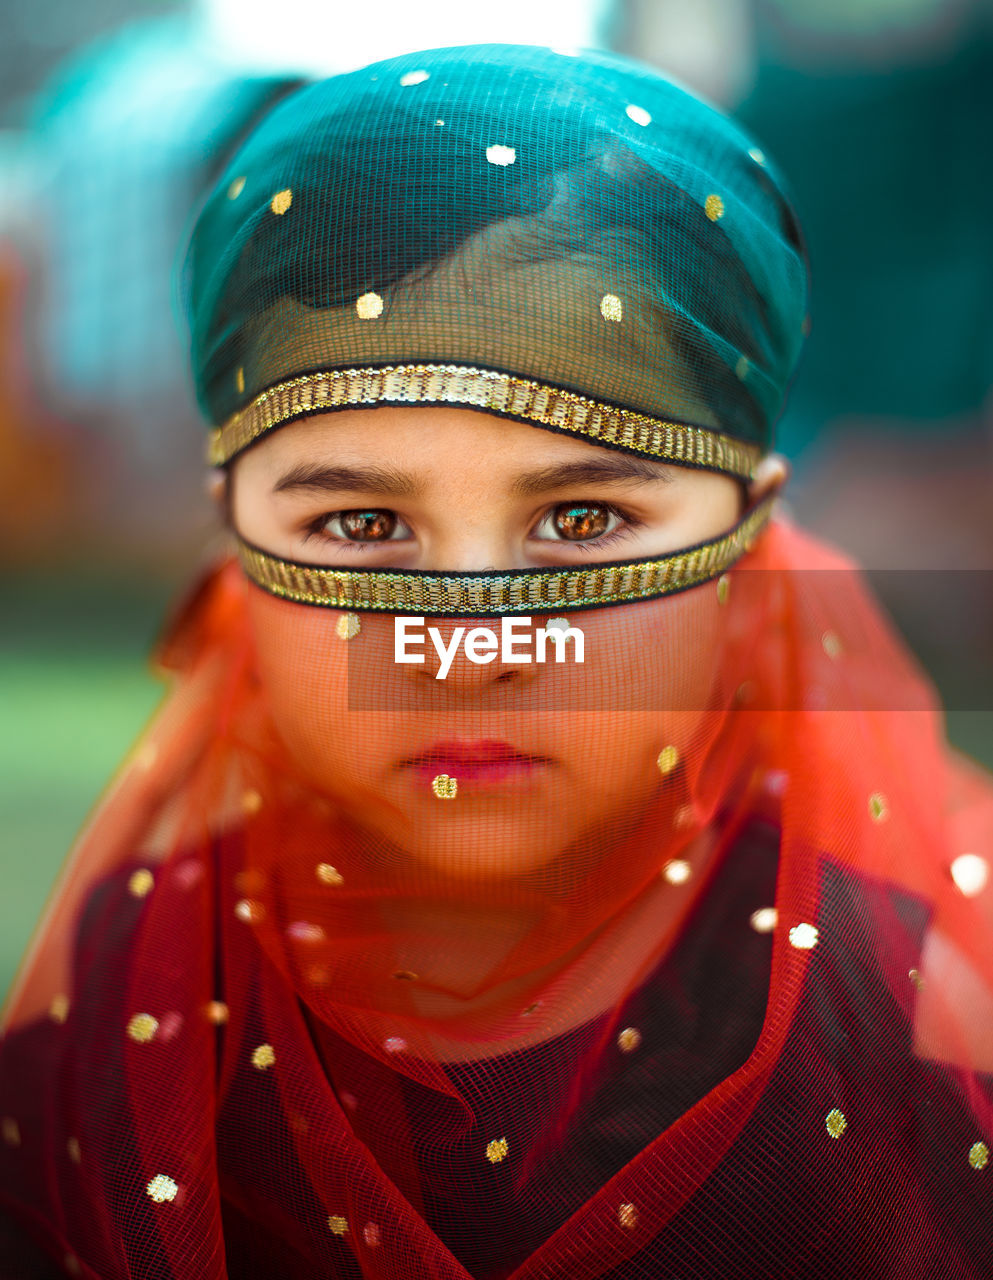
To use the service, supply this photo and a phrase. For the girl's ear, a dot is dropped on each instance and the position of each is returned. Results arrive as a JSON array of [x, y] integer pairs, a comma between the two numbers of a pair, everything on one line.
[[771, 474], [218, 485]]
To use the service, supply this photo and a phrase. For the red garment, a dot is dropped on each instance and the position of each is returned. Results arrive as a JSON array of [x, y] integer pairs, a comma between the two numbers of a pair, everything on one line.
[[260, 1034]]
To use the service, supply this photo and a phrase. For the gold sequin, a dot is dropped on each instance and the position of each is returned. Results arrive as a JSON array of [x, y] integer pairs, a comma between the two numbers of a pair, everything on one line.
[[742, 367], [831, 644], [414, 77], [338, 1224], [916, 978], [775, 782], [501, 155], [146, 756], [395, 1044], [979, 1155], [371, 1235], [667, 759], [970, 873], [677, 871], [348, 626], [480, 388], [629, 1040], [263, 1057], [328, 874], [638, 114], [627, 1216], [683, 817], [236, 188], [239, 380], [281, 201], [611, 307], [878, 808], [217, 1012], [757, 155], [141, 883], [11, 1131], [171, 1025], [251, 802], [162, 1188], [804, 936], [142, 1028], [75, 1153], [764, 920], [527, 1012], [723, 588], [58, 1010], [368, 306], [497, 1150], [445, 787], [189, 873], [305, 931], [249, 910], [405, 975], [713, 207], [835, 1123]]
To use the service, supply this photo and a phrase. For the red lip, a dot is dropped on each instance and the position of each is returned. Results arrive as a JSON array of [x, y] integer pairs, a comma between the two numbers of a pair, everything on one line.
[[478, 766], [454, 755]]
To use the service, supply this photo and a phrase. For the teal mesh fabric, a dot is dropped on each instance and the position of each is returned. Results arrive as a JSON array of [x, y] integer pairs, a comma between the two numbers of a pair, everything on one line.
[[577, 220]]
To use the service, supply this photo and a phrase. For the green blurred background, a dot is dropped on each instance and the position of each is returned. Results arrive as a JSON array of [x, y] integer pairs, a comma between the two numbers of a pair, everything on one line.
[[75, 689]]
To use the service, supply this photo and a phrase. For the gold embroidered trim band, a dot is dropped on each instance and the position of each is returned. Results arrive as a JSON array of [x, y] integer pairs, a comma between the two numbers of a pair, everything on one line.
[[528, 591], [500, 393]]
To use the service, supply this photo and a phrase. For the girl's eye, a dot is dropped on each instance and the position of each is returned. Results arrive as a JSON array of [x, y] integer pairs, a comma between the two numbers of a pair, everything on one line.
[[578, 522], [363, 526]]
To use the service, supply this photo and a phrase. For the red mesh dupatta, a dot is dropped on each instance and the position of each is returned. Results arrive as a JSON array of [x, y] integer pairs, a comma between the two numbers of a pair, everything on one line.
[[250, 1012]]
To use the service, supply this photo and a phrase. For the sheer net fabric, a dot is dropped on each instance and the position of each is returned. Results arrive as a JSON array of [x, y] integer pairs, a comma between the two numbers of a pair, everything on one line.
[[579, 221], [301, 1007]]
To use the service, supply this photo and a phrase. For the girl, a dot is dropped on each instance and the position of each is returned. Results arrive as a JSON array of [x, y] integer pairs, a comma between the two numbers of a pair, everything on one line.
[[669, 961]]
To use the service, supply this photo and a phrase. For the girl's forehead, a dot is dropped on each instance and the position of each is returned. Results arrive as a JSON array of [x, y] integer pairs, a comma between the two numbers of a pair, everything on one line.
[[434, 441]]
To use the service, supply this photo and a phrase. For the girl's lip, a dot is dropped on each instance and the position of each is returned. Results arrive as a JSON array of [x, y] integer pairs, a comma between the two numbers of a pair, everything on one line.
[[483, 763], [482, 754], [507, 770]]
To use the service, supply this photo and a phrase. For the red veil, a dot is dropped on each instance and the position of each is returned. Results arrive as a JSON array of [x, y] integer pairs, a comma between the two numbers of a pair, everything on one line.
[[256, 1032]]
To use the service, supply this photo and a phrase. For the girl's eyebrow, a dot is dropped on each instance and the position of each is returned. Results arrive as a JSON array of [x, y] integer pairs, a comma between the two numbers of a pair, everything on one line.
[[611, 469], [389, 482], [326, 478]]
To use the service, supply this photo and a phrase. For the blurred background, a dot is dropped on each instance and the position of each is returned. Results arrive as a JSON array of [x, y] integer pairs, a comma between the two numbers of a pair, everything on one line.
[[114, 116]]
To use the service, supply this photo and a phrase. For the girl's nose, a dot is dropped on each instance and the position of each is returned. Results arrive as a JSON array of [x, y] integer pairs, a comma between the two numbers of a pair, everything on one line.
[[470, 654]]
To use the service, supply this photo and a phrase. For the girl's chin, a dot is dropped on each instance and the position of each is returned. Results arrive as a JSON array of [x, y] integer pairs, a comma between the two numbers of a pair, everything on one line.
[[460, 842]]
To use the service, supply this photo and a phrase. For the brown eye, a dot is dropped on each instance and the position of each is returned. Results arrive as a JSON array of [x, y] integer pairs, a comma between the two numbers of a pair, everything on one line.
[[578, 522], [367, 526]]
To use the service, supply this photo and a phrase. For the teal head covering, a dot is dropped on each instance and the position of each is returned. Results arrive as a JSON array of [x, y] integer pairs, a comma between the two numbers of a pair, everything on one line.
[[570, 241]]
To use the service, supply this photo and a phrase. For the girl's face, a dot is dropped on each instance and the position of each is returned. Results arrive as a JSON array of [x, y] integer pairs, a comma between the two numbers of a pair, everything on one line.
[[546, 756]]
